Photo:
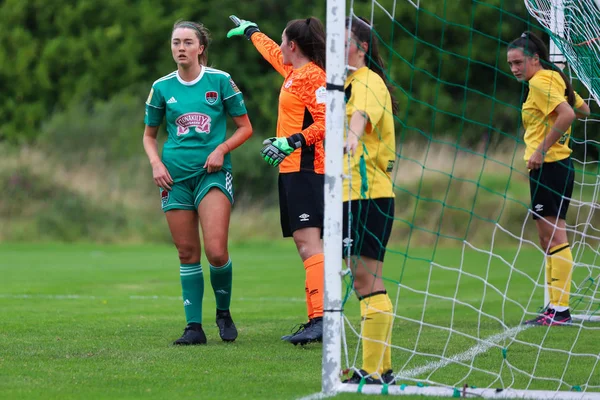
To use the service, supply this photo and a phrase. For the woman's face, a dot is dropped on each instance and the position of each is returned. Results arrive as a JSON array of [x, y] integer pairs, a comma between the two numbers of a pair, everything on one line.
[[286, 49], [186, 47], [355, 52], [522, 67]]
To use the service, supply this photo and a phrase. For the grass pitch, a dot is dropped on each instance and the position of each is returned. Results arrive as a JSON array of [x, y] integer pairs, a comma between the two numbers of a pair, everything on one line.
[[97, 322]]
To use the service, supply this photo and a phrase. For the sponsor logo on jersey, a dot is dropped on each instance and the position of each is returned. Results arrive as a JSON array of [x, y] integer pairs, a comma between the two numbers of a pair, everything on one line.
[[233, 86], [211, 97], [288, 84], [390, 166], [321, 95], [164, 197], [200, 122]]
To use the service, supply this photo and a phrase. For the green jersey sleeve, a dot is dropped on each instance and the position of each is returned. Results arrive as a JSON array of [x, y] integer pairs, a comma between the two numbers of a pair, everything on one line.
[[233, 101], [155, 107]]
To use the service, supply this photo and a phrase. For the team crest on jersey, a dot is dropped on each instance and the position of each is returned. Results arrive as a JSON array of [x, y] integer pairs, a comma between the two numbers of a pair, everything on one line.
[[164, 197], [212, 97], [198, 121], [288, 84], [233, 86], [390, 166]]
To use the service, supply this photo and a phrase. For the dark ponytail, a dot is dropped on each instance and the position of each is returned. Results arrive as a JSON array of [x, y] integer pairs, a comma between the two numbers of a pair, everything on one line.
[[362, 32], [531, 45], [309, 35]]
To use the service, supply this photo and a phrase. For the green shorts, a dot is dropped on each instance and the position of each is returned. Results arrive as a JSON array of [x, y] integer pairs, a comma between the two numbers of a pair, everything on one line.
[[187, 194]]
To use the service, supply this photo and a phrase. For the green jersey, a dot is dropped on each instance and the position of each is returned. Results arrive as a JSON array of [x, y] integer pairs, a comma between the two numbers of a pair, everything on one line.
[[196, 114]]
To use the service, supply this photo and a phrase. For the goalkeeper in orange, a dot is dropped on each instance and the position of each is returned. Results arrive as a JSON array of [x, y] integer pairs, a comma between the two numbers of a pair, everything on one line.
[[549, 109], [298, 150], [369, 195]]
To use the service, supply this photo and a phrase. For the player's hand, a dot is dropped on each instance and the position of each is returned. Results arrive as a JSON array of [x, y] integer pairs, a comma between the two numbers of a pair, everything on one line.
[[161, 175], [276, 150], [536, 160], [351, 144], [243, 27], [214, 161]]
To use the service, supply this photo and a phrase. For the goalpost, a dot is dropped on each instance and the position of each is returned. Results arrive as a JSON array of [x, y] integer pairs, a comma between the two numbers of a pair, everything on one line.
[[463, 267]]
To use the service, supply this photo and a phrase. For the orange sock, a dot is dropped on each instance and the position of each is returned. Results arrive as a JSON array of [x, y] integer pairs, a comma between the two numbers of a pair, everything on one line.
[[309, 307], [315, 282]]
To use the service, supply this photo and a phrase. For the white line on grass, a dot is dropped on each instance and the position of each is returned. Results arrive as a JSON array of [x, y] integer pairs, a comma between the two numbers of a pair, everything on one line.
[[470, 354], [315, 396], [135, 297]]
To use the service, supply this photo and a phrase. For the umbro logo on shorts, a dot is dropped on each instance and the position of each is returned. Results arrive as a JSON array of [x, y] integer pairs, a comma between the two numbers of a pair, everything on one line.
[[304, 217], [539, 207]]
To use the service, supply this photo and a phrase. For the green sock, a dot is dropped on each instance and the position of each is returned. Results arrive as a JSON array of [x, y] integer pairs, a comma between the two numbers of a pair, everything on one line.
[[192, 287], [220, 278]]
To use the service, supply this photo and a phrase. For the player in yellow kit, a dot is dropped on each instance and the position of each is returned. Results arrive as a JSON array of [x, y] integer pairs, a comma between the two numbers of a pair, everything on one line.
[[369, 195], [549, 109]]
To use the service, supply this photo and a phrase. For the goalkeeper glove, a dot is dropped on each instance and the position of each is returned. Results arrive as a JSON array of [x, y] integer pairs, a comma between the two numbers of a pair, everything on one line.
[[243, 27], [277, 149]]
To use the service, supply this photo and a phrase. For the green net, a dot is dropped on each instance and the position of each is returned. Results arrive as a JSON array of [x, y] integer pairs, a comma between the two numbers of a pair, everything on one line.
[[463, 267], [574, 26]]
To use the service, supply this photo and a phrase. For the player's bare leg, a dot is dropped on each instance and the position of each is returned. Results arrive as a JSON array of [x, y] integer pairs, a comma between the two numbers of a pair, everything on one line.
[[215, 212], [554, 242], [184, 231], [310, 248], [376, 311]]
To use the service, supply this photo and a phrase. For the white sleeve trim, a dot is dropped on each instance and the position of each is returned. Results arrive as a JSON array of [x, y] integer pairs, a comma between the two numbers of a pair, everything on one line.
[[235, 94], [160, 108]]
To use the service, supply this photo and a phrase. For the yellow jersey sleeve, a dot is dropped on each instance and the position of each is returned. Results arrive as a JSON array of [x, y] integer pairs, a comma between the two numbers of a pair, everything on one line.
[[368, 97], [547, 91]]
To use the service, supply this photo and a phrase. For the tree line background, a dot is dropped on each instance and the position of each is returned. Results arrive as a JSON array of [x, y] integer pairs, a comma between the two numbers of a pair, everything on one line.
[[74, 76]]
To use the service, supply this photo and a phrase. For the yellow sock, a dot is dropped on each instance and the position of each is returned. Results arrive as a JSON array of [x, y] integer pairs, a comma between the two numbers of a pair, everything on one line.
[[377, 334], [549, 278], [562, 266]]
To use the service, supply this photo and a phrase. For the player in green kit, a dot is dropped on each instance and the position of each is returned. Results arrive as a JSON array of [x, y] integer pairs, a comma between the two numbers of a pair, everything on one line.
[[194, 173]]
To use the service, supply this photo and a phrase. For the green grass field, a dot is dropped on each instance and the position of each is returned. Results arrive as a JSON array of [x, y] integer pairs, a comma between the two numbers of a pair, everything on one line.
[[86, 321]]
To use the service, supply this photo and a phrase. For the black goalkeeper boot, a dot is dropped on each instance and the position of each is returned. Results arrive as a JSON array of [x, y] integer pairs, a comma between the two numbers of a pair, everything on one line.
[[192, 335], [312, 333], [296, 330], [227, 329]]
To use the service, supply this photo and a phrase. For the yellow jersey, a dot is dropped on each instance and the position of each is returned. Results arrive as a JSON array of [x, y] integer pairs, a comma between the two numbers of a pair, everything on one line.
[[366, 91], [546, 92]]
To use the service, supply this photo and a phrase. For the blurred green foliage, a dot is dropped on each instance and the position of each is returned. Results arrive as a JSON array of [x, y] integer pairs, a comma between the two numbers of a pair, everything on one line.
[[74, 75]]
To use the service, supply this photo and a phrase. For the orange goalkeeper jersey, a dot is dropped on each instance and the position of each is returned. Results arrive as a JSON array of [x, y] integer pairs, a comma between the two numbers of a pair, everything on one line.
[[301, 107]]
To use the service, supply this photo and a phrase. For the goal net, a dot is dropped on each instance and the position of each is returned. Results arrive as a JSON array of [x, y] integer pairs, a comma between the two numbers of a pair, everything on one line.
[[463, 267]]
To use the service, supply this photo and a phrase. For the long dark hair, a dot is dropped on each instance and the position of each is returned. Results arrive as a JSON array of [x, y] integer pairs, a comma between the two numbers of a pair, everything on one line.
[[309, 35], [532, 45], [362, 31], [202, 34]]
